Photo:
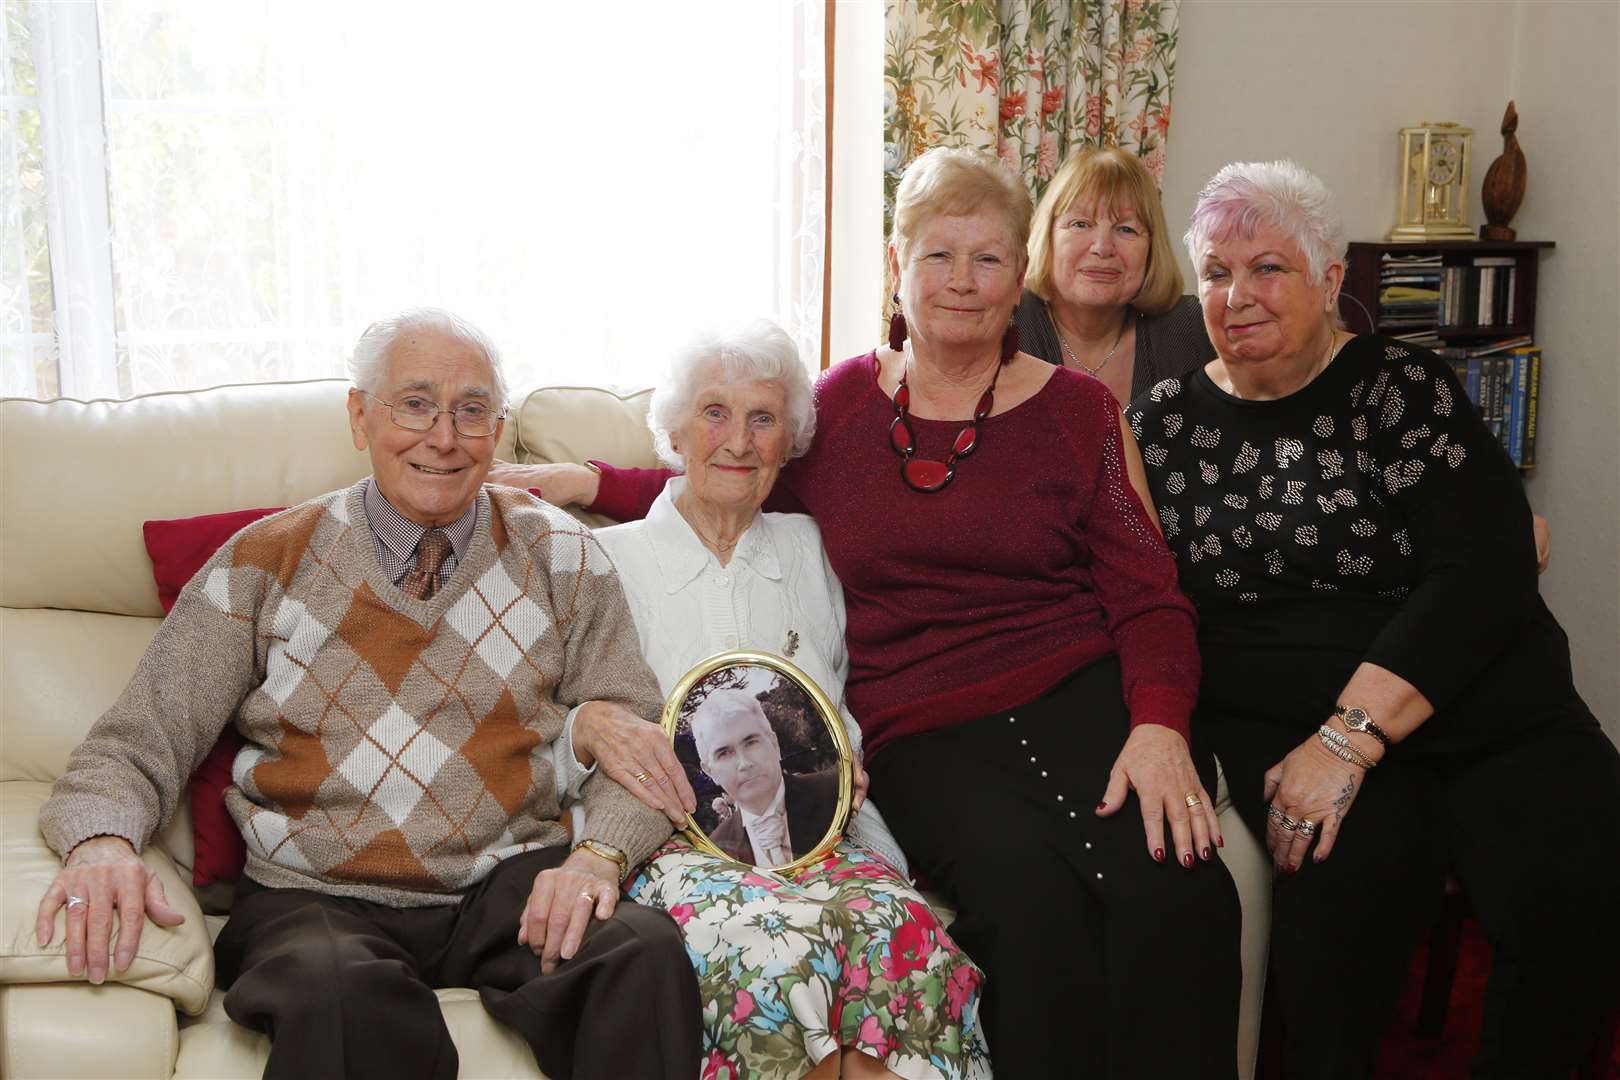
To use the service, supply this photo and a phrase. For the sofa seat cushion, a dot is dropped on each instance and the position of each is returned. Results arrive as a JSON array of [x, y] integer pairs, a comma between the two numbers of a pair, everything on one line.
[[213, 1047], [176, 963]]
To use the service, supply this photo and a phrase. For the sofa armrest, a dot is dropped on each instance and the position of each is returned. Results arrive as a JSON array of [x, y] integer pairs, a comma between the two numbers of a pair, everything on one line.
[[83, 1031], [176, 963]]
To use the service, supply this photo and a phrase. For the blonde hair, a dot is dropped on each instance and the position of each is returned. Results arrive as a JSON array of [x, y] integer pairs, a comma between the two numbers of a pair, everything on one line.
[[950, 182], [1117, 180]]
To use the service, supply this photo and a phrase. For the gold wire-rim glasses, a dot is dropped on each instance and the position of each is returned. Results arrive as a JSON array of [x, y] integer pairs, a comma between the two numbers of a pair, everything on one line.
[[424, 421]]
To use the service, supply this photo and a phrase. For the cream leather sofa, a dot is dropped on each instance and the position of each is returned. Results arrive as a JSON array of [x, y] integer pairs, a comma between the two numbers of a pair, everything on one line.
[[77, 607]]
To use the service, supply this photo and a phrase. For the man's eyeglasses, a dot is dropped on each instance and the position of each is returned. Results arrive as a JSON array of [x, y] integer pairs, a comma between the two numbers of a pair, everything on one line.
[[473, 419]]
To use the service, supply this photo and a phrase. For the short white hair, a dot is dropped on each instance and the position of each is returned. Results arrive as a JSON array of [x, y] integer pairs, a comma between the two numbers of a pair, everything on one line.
[[754, 351], [1247, 196], [368, 365], [726, 703]]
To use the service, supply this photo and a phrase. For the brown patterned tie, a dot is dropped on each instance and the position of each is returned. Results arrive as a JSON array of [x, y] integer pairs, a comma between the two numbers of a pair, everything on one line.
[[431, 551]]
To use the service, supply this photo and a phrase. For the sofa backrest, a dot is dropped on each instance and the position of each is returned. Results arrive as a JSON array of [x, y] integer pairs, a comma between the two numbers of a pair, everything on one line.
[[78, 479]]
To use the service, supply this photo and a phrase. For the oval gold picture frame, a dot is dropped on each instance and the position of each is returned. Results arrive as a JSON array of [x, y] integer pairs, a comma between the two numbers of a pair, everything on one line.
[[810, 739]]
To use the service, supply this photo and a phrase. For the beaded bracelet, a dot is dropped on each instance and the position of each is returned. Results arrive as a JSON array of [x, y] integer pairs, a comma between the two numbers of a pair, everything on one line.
[[1342, 748]]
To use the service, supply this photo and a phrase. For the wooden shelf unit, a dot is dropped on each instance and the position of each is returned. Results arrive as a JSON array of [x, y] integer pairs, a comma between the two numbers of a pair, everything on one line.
[[1358, 299]]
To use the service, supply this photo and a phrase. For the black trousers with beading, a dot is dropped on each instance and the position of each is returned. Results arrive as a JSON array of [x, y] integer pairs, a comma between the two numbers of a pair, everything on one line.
[[1099, 962]]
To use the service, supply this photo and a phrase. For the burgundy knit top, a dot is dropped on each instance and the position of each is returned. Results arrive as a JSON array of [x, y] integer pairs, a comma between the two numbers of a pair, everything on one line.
[[1037, 559]]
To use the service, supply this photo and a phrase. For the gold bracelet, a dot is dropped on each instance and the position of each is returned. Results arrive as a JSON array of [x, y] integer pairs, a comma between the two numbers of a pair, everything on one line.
[[606, 851]]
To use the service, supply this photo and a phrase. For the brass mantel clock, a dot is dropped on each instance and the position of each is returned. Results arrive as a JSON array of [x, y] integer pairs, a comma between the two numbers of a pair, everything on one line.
[[1434, 183]]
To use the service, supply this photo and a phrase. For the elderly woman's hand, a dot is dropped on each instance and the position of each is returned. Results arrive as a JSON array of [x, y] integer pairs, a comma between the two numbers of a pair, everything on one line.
[[100, 875], [862, 782], [1156, 764], [637, 754], [561, 904], [560, 485], [1312, 790]]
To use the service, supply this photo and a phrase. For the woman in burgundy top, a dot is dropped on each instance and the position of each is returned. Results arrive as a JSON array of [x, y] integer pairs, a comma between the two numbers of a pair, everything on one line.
[[1023, 665]]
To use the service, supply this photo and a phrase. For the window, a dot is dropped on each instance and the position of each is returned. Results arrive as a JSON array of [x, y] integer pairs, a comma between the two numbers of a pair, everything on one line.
[[196, 193]]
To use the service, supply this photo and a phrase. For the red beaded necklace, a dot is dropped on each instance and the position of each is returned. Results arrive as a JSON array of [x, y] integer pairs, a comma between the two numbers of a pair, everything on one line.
[[926, 474]]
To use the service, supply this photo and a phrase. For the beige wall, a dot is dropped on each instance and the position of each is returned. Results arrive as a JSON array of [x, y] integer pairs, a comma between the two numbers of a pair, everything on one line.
[[1329, 84]]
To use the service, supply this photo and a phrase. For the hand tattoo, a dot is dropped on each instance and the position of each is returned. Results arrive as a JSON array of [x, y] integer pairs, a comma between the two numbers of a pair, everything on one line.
[[1341, 802]]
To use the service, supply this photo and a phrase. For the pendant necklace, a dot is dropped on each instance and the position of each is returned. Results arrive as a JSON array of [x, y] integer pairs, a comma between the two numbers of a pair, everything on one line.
[[1081, 364], [928, 475]]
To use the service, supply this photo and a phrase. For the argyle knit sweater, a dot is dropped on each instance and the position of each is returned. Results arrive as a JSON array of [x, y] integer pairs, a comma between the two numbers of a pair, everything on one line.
[[395, 746]]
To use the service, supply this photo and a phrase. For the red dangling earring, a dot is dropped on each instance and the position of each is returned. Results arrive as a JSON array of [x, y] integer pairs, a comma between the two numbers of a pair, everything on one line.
[[897, 326], [1009, 342]]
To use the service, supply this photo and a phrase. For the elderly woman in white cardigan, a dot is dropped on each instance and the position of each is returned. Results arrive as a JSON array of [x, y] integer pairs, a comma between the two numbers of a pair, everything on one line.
[[839, 968]]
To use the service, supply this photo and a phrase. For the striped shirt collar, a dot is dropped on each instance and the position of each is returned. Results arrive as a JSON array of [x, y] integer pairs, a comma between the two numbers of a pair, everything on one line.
[[397, 536]]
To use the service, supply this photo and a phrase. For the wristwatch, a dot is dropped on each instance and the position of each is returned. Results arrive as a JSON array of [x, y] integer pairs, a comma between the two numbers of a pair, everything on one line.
[[606, 851], [1356, 719]]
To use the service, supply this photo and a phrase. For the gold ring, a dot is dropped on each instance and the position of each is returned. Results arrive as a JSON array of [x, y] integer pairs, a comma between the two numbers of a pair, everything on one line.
[[587, 897], [643, 777], [1193, 800]]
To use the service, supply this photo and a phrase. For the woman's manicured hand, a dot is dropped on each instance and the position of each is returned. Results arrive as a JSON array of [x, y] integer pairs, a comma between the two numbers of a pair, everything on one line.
[[1156, 764]]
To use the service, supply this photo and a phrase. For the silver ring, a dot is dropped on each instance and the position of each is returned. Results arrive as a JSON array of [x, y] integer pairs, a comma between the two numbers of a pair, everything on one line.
[[587, 897], [1307, 827], [75, 901]]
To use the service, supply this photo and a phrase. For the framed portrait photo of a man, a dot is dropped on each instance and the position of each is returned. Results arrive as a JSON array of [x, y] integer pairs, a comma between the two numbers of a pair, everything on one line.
[[767, 757]]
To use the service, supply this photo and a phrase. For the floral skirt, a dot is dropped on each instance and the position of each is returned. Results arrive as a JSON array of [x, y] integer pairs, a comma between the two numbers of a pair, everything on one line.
[[841, 954]]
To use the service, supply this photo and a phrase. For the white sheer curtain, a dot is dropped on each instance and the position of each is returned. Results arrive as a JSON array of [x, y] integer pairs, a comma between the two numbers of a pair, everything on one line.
[[208, 192]]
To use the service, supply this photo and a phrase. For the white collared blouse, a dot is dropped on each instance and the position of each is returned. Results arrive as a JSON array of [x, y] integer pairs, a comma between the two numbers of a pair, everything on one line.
[[777, 594]]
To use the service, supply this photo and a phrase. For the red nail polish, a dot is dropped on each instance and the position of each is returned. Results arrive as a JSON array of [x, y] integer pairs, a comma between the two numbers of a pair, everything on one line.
[[1221, 842], [1158, 854], [1205, 853], [1103, 805], [1186, 860]]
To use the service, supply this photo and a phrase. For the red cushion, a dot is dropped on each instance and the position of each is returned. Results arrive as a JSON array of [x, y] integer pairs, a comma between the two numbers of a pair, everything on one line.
[[178, 548]]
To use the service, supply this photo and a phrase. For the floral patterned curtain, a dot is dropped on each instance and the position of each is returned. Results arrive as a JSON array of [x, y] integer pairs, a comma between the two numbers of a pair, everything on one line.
[[1027, 80]]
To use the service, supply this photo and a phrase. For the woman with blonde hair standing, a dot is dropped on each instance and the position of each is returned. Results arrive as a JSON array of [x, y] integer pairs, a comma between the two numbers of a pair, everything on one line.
[[1103, 292]]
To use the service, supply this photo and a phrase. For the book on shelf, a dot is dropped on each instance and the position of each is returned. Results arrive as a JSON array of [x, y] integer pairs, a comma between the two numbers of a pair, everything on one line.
[[1490, 348], [1533, 357], [1504, 389]]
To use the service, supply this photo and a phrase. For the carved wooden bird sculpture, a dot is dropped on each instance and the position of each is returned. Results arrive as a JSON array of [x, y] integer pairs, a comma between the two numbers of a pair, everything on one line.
[[1504, 182]]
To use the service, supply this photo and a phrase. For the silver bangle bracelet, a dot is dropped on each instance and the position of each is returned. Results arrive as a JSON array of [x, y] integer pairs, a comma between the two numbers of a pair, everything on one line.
[[1341, 748]]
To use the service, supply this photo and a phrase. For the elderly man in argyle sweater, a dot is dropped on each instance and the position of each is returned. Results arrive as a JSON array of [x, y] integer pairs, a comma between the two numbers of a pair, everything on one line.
[[399, 656]]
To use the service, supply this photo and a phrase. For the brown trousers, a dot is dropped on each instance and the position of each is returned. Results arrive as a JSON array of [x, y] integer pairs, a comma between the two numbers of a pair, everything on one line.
[[344, 988]]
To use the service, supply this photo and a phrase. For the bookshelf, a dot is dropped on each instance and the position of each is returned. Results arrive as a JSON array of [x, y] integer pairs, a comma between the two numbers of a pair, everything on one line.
[[1358, 300], [1474, 303]]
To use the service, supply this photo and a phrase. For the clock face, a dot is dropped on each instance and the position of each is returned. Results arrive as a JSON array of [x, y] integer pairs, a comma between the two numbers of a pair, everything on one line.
[[1442, 162]]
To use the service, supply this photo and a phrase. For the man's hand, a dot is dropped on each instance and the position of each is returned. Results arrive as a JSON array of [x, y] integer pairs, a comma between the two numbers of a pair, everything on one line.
[[636, 753], [100, 875], [562, 902], [560, 485]]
